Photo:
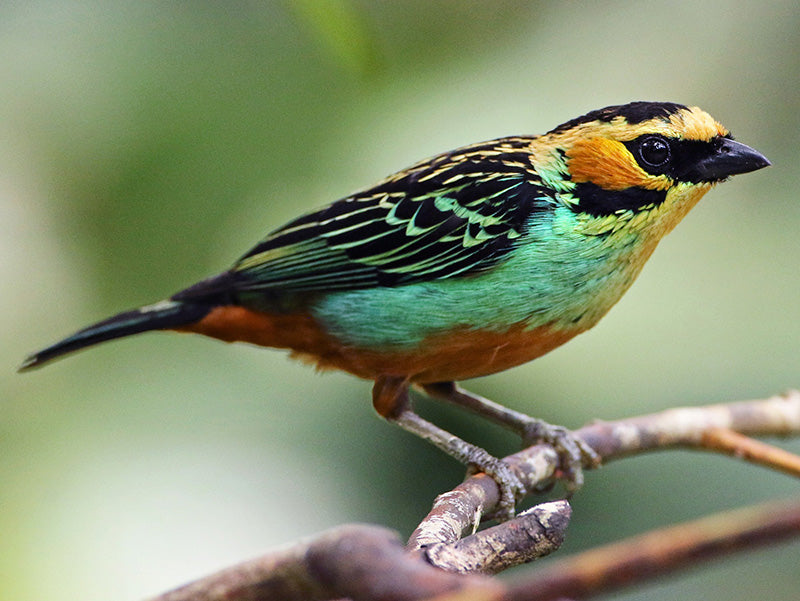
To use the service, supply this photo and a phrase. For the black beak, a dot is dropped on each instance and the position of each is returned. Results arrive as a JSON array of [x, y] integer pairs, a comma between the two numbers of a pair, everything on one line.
[[727, 158]]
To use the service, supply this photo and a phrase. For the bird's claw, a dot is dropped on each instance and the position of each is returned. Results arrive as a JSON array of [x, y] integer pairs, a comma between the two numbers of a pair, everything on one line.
[[511, 488], [574, 454]]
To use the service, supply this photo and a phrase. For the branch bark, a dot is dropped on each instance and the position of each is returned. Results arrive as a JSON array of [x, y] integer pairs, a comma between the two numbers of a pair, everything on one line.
[[369, 563], [455, 512], [738, 445], [355, 561], [641, 558], [533, 534]]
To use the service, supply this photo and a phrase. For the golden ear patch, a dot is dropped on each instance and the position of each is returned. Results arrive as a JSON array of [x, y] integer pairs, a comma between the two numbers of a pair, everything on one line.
[[608, 164]]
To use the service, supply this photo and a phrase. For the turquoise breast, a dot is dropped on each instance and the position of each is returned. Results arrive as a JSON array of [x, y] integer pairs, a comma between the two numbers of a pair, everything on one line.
[[555, 275]]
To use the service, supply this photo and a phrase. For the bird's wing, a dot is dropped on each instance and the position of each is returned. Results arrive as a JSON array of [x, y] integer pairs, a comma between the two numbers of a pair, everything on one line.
[[456, 214]]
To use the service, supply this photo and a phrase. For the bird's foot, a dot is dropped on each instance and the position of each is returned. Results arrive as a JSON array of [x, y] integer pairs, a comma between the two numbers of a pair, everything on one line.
[[390, 398], [511, 488], [574, 454]]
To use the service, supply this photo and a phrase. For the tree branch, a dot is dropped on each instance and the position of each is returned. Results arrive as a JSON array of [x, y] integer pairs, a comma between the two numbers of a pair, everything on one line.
[[369, 563], [356, 561], [456, 512], [738, 445], [532, 534], [641, 558]]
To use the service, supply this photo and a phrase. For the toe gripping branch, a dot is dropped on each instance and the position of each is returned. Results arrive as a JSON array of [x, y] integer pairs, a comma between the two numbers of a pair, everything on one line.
[[391, 400], [573, 452]]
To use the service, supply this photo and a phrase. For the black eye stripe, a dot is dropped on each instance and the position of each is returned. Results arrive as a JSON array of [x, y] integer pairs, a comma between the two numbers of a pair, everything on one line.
[[677, 164], [653, 153], [683, 154]]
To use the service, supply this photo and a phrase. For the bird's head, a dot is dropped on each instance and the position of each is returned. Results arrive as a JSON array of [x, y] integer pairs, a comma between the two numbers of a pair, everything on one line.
[[640, 166]]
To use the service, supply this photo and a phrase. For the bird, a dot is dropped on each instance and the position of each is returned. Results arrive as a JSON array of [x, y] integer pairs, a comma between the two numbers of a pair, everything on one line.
[[462, 265]]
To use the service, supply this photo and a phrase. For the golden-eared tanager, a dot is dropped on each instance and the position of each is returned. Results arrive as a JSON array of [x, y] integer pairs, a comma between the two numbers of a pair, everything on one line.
[[462, 265]]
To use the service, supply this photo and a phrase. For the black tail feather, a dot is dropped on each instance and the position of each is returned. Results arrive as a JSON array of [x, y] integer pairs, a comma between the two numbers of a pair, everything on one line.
[[164, 315]]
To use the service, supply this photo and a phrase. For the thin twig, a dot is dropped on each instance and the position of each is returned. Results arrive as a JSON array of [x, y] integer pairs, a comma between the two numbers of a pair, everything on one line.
[[738, 445], [685, 426], [456, 512]]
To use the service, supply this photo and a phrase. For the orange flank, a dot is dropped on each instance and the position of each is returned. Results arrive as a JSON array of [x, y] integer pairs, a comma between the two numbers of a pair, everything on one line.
[[456, 355]]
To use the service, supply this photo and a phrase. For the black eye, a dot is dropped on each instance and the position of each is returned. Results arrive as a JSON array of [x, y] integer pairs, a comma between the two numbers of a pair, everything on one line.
[[654, 151]]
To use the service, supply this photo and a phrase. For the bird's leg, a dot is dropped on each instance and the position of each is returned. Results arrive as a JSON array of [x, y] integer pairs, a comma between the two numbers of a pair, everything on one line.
[[390, 399], [573, 452]]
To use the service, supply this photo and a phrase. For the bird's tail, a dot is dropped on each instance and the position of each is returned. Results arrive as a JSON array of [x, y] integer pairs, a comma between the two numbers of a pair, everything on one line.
[[164, 315]]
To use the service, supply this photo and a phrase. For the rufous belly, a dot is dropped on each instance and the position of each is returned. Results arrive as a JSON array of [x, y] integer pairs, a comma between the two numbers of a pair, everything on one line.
[[455, 355]]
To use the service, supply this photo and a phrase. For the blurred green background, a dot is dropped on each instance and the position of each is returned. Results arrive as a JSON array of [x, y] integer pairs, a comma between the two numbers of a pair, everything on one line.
[[146, 145]]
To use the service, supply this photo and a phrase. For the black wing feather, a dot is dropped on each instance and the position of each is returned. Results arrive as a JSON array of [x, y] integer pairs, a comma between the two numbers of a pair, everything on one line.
[[456, 214]]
